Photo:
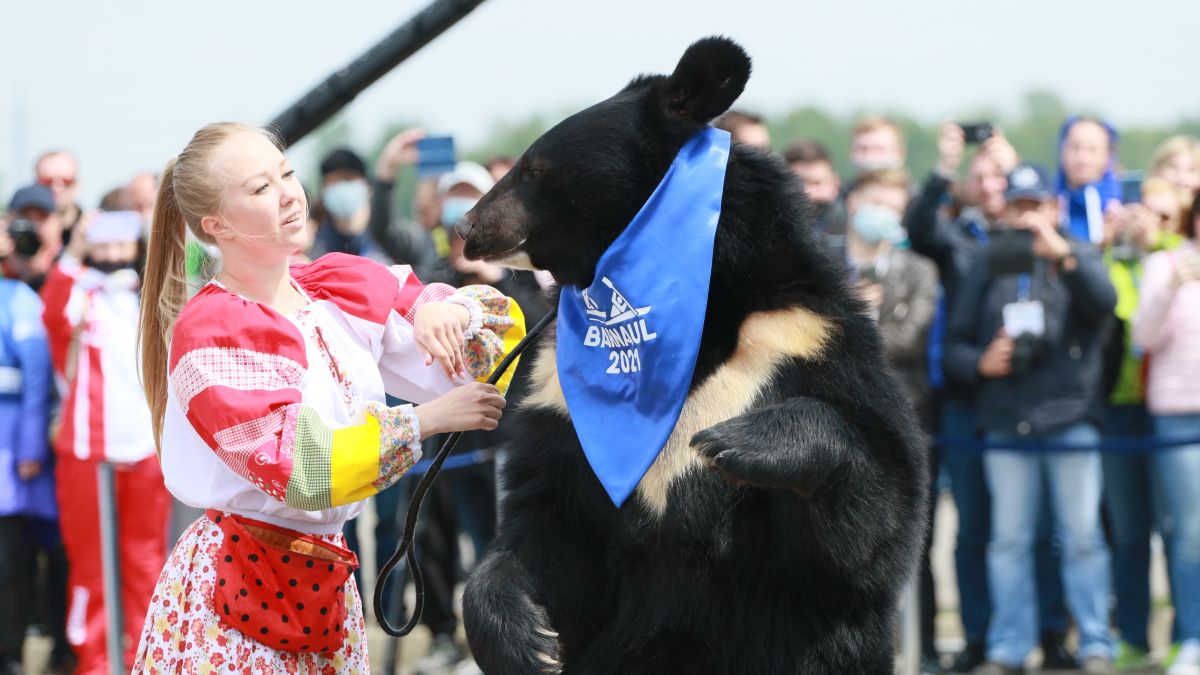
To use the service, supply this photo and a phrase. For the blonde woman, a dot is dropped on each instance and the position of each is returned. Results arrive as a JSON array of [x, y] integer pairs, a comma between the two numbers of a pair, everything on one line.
[[266, 391]]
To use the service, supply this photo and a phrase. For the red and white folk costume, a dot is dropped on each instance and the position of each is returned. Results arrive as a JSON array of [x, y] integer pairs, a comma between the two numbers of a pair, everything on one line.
[[282, 419], [92, 319]]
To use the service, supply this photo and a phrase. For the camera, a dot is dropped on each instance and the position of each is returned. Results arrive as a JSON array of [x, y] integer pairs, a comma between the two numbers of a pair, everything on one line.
[[26, 240], [977, 133], [1008, 252], [1027, 351], [1124, 249]]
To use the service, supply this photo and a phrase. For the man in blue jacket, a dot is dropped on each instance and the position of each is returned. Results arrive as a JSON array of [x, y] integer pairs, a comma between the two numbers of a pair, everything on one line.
[[1025, 335]]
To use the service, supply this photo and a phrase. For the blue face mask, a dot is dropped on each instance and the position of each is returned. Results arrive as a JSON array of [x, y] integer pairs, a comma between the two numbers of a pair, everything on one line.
[[874, 224], [344, 198], [454, 208]]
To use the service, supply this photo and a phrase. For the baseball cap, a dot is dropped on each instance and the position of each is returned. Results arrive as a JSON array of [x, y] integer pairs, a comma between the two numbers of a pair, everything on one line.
[[343, 159], [1028, 181], [34, 196], [468, 173]]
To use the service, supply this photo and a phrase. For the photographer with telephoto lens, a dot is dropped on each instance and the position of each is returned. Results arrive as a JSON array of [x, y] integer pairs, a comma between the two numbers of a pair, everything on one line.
[[1024, 333]]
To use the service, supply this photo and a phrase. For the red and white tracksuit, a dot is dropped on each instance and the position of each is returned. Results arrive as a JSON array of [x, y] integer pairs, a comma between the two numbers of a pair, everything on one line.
[[92, 320]]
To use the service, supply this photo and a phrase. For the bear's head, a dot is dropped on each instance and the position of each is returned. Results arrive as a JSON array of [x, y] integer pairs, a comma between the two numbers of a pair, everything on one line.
[[575, 189]]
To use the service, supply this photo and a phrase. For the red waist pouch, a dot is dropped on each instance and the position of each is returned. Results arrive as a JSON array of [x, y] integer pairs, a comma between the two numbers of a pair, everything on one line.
[[280, 587]]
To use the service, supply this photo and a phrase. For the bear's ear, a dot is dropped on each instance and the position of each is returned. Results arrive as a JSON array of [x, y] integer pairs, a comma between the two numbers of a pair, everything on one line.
[[710, 76]]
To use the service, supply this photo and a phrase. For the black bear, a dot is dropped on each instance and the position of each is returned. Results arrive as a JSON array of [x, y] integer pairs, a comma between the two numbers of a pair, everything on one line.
[[776, 528]]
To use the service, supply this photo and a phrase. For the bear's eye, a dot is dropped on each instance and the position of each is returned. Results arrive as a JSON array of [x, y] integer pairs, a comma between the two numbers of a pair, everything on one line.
[[534, 173]]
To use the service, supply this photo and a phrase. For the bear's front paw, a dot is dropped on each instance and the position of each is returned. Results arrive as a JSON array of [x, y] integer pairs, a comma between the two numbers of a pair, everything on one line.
[[522, 642], [535, 649], [546, 650], [731, 450]]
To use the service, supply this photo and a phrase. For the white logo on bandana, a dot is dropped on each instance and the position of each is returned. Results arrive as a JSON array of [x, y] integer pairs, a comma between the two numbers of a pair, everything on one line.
[[620, 330]]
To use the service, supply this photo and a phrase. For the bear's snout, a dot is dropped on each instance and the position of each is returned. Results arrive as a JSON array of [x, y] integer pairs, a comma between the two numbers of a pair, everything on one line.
[[464, 226], [494, 230]]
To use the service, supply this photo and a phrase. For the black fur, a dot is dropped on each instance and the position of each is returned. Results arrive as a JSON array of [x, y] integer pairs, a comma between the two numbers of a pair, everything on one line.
[[788, 556]]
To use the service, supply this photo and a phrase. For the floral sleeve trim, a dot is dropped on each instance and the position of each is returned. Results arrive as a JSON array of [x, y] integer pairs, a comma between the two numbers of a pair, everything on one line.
[[399, 442], [502, 328], [474, 308]]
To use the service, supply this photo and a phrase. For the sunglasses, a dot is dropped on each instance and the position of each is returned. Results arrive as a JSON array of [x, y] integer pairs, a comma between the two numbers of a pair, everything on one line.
[[49, 181]]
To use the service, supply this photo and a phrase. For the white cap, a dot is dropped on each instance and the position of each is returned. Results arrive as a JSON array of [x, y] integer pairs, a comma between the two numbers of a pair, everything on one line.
[[114, 226], [468, 173]]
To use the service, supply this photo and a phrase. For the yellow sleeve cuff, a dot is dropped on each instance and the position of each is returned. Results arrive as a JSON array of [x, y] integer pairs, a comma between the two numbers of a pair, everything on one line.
[[354, 462]]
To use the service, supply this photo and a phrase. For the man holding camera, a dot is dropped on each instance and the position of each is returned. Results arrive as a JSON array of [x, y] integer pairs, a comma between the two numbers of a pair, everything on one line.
[[31, 235], [1025, 335]]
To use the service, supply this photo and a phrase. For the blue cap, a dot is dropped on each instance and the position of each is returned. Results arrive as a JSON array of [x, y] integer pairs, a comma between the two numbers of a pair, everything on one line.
[[1028, 181], [34, 196]]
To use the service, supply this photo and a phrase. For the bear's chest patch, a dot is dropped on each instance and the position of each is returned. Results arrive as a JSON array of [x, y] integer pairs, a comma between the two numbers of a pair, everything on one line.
[[765, 341]]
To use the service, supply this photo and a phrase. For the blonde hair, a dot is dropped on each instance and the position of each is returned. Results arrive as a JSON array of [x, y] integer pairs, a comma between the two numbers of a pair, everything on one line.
[[189, 190], [888, 178], [1175, 145], [868, 123]]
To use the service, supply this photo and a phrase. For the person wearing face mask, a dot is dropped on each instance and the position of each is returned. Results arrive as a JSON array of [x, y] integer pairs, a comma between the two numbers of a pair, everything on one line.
[[1025, 335], [344, 210], [423, 243], [900, 288], [91, 316], [463, 501], [877, 143]]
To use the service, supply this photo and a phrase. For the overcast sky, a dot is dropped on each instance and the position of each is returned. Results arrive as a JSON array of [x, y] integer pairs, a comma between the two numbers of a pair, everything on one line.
[[124, 83]]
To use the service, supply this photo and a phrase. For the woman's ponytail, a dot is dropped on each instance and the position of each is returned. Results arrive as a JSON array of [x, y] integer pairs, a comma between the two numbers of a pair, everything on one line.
[[164, 290]]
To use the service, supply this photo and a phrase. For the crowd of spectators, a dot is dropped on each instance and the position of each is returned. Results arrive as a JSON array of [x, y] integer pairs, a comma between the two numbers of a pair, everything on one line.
[[1044, 322]]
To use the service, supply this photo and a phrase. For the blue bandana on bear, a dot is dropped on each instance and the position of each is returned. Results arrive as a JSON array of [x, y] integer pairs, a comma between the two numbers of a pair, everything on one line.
[[627, 344]]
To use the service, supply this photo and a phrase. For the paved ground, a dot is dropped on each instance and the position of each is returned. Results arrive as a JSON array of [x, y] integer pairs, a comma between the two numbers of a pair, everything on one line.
[[949, 630]]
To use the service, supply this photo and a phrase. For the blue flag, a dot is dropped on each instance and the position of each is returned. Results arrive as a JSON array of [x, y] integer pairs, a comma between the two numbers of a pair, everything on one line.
[[627, 344]]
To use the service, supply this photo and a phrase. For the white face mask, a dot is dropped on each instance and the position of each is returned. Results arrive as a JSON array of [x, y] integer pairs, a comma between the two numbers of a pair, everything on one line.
[[875, 164], [454, 208], [343, 199], [874, 224]]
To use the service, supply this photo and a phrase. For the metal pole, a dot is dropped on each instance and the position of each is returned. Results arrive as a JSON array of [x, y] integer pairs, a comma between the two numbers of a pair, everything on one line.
[[910, 630], [111, 565], [320, 104]]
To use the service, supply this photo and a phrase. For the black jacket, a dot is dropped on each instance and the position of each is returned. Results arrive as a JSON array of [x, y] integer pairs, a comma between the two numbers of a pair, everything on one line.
[[405, 242], [952, 244], [1061, 387]]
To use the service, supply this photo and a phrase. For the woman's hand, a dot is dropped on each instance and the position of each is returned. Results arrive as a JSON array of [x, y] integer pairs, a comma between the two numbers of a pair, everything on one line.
[[438, 330], [466, 408]]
